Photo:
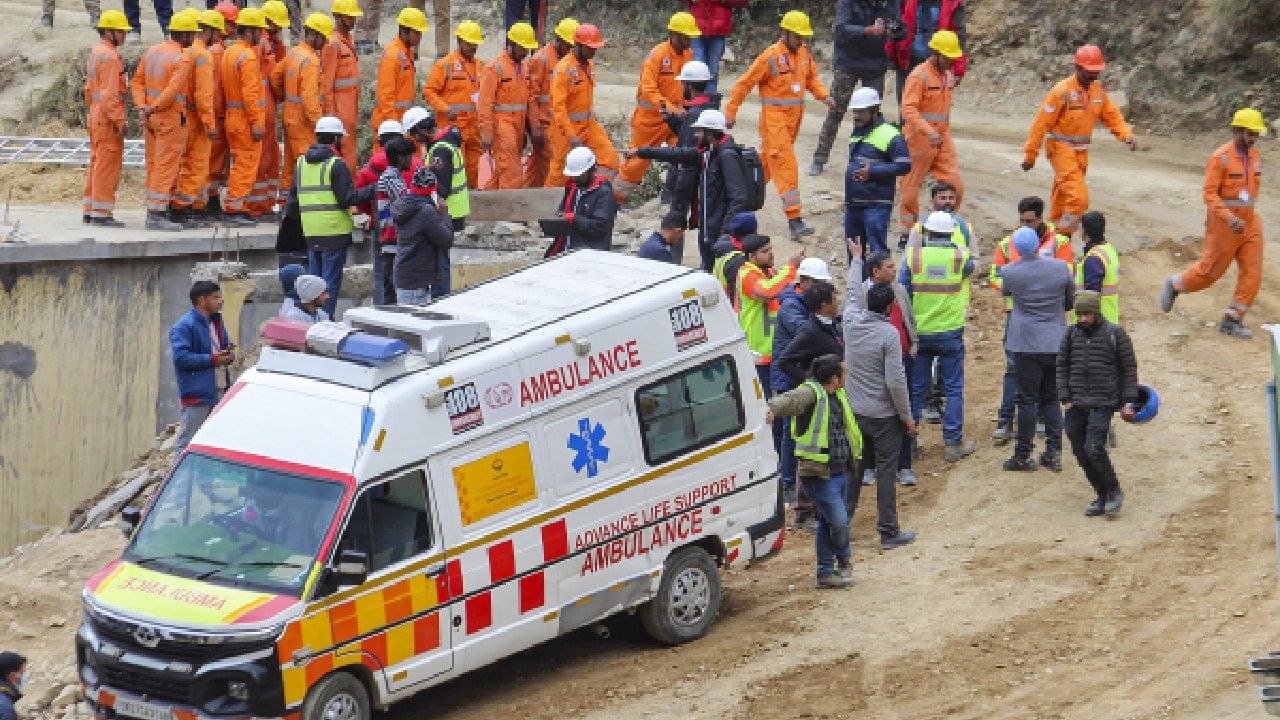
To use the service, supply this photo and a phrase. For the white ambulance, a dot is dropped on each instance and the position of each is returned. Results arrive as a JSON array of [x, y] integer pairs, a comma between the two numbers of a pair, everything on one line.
[[384, 504]]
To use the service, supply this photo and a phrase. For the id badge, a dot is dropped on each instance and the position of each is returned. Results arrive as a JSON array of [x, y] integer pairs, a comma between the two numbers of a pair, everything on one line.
[[475, 97], [1244, 196], [795, 87]]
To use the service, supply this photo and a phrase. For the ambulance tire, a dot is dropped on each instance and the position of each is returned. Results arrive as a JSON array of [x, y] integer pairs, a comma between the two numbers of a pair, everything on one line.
[[688, 598], [338, 697]]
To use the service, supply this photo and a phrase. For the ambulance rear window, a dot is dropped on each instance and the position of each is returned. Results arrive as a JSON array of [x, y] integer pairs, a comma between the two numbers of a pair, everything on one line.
[[690, 410]]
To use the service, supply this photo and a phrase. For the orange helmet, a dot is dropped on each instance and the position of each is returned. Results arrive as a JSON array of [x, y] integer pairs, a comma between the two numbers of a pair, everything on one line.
[[229, 11], [1089, 57], [588, 35]]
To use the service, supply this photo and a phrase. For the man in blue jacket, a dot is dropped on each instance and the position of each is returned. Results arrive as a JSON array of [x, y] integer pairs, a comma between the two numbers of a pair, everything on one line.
[[877, 157], [201, 353], [13, 677]]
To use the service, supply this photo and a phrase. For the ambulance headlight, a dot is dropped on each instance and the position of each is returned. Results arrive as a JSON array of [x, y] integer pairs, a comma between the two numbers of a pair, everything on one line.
[[238, 690]]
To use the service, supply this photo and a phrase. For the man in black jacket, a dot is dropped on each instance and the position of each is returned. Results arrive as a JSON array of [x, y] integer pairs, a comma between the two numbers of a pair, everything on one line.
[[695, 76], [820, 336], [862, 26], [589, 203], [1097, 373], [424, 235]]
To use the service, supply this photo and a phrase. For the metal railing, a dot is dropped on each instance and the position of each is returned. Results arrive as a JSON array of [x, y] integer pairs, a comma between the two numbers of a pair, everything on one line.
[[60, 151]]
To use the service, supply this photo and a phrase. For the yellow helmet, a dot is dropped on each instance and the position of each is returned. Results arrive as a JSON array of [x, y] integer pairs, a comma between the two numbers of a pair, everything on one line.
[[321, 23], [251, 18], [469, 31], [350, 8], [187, 20], [522, 34], [685, 24], [566, 28], [798, 23], [1249, 119], [947, 44], [412, 18], [113, 20], [214, 19], [276, 12]]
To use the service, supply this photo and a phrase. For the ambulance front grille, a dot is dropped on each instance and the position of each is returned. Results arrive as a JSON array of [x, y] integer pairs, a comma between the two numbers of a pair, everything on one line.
[[148, 682]]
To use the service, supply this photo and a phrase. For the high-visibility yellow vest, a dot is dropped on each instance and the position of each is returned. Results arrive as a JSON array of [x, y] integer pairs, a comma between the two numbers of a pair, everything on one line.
[[459, 200], [757, 317], [317, 205], [719, 270], [879, 138], [1006, 251], [939, 290], [813, 442], [1106, 252], [960, 235]]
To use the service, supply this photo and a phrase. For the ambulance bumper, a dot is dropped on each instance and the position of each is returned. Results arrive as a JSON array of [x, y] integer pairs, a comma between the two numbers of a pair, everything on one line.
[[767, 537]]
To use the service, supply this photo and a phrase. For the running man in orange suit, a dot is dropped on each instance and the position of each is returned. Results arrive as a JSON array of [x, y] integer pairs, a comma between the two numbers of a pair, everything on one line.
[[219, 160], [160, 86], [242, 90], [340, 77], [297, 80], [540, 68], [504, 107], [397, 78], [1068, 115], [784, 72], [573, 96], [104, 91], [926, 126], [1232, 226], [202, 125], [452, 89]]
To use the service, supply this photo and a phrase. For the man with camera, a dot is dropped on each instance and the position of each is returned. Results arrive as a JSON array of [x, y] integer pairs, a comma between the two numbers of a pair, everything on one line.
[[862, 28]]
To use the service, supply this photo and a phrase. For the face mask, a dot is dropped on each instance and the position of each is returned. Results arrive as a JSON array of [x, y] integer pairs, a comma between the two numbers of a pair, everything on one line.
[[22, 681]]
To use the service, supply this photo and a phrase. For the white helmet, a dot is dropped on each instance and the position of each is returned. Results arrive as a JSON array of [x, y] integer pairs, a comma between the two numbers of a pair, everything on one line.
[[864, 97], [580, 160], [814, 269], [940, 222], [330, 125], [390, 127], [695, 71], [711, 120], [414, 117]]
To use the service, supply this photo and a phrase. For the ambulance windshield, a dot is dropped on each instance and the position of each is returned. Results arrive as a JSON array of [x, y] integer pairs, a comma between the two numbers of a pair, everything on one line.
[[238, 525]]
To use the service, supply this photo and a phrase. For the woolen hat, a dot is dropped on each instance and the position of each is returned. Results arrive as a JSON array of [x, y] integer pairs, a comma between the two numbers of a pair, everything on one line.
[[752, 243], [1089, 301], [1026, 240], [289, 275], [743, 224], [309, 287], [10, 662]]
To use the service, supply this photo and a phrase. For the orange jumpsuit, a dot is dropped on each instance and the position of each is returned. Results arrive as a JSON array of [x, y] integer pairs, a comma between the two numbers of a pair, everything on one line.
[[503, 111], [193, 178], [658, 89], [454, 86], [340, 90], [297, 80], [104, 90], [397, 85], [161, 83], [573, 89], [266, 188], [1231, 185], [246, 111], [926, 107], [783, 78], [218, 146], [540, 66], [1068, 115]]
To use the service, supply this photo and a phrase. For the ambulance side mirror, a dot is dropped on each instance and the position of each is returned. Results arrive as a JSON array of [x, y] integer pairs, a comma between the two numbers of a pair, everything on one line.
[[352, 568], [131, 515]]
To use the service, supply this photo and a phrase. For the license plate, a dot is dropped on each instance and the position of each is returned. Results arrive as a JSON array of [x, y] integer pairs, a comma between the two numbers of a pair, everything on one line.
[[142, 710]]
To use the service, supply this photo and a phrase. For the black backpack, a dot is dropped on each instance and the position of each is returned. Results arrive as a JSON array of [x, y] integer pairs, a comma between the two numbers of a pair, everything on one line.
[[752, 175]]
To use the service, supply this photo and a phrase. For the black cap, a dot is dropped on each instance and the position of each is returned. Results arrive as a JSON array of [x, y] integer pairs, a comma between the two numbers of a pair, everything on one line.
[[10, 662], [752, 243]]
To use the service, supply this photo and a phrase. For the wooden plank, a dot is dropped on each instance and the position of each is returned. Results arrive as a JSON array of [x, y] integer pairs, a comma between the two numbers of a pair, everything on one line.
[[522, 206]]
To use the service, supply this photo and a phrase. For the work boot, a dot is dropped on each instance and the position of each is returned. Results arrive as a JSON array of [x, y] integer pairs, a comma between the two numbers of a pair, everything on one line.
[[107, 221], [214, 205], [1094, 509], [1003, 433], [238, 220], [897, 540], [86, 219], [158, 221], [961, 450], [844, 569], [1168, 294], [1019, 464], [868, 477], [815, 169], [1114, 502], [798, 228], [907, 477], [1233, 327], [833, 581], [1052, 460]]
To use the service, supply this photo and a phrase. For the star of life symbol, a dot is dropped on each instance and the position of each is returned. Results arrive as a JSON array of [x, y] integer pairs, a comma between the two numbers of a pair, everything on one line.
[[589, 446]]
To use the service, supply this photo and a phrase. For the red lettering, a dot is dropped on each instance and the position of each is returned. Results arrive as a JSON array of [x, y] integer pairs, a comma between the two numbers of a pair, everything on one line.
[[607, 366], [633, 354], [571, 377], [553, 382]]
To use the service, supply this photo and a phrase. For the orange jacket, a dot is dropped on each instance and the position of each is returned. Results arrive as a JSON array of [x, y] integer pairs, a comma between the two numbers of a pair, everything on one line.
[[926, 100], [162, 79], [200, 94], [453, 85], [659, 89], [783, 78], [1232, 182], [242, 84], [504, 94], [397, 84], [540, 67], [1069, 113], [1052, 244], [104, 87], [297, 82], [573, 91], [270, 54], [216, 51], [339, 72]]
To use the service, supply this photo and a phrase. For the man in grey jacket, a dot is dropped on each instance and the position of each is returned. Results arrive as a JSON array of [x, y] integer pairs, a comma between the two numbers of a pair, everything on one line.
[[1042, 290]]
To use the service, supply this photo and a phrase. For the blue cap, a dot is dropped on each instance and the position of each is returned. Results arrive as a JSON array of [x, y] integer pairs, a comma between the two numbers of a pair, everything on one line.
[[1026, 240], [743, 224], [288, 275]]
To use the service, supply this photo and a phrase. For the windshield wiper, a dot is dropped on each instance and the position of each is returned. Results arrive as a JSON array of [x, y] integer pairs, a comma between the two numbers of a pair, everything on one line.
[[255, 563], [177, 556]]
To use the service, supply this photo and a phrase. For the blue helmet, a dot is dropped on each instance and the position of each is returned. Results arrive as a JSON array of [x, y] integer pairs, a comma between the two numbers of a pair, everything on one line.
[[1148, 404]]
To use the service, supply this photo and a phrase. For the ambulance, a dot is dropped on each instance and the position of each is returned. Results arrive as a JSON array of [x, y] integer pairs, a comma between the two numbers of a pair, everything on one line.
[[383, 504]]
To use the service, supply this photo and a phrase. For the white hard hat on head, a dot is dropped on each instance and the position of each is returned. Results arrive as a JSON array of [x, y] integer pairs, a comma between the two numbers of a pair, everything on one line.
[[309, 287], [711, 120], [330, 125], [940, 222], [814, 269], [695, 71], [390, 127], [413, 117], [864, 97], [579, 160]]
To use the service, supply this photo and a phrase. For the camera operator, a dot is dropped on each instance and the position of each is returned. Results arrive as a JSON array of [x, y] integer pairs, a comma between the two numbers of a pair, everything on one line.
[[862, 29]]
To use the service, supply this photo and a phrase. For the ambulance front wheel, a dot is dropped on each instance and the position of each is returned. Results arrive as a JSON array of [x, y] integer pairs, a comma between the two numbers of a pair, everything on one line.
[[687, 600], [338, 697]]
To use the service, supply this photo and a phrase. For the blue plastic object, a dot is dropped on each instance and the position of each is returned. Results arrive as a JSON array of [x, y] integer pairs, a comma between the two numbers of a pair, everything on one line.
[[1148, 404], [371, 349]]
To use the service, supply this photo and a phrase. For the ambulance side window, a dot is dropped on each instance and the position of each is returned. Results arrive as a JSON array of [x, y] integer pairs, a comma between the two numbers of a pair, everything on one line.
[[391, 522], [690, 410]]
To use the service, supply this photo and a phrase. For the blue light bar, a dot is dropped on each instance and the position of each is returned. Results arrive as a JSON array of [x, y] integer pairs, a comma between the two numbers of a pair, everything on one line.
[[371, 350]]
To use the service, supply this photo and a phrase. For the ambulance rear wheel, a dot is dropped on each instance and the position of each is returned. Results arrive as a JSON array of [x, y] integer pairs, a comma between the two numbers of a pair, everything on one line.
[[687, 600], [338, 697]]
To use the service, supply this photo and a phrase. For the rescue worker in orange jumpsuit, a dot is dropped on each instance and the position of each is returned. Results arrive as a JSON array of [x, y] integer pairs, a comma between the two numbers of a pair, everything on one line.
[[246, 114], [160, 86], [340, 76], [202, 125], [1068, 115], [504, 107], [926, 126], [783, 72], [104, 91], [219, 160], [1232, 226], [297, 80], [271, 52], [452, 90], [659, 97], [397, 81], [540, 67], [573, 90]]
